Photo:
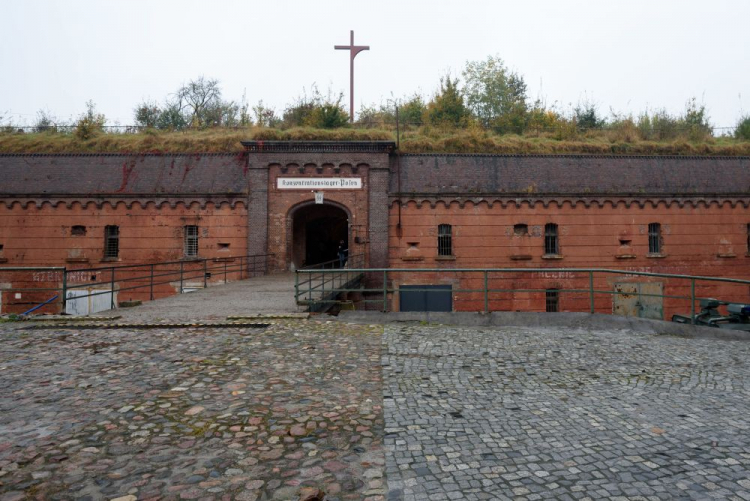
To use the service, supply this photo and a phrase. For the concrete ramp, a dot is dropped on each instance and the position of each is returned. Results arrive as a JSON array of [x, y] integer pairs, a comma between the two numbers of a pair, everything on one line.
[[265, 294]]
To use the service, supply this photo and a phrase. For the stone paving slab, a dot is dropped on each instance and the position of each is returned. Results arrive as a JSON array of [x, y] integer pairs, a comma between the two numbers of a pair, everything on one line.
[[576, 413], [209, 413]]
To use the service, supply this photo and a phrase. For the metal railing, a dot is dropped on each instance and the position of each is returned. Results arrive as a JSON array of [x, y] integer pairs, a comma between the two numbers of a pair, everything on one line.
[[315, 283], [506, 289], [147, 280]]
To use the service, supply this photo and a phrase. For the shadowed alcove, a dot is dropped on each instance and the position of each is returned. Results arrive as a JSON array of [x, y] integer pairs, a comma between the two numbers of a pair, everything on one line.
[[316, 233]]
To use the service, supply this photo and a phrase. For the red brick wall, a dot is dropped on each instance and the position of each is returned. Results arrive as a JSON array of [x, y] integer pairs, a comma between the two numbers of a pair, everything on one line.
[[697, 240], [41, 236]]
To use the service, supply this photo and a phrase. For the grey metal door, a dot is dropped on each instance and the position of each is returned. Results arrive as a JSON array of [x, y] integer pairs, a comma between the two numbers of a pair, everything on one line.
[[426, 298]]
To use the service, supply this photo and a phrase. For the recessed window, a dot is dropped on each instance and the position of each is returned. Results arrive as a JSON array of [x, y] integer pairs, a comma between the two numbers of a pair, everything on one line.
[[223, 246], [1, 247], [191, 241], [551, 243], [552, 300], [654, 238], [445, 240], [78, 230], [521, 230], [111, 241]]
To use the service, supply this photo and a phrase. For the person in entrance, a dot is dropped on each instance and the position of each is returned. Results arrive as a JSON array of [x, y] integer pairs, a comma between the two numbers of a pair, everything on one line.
[[343, 253]]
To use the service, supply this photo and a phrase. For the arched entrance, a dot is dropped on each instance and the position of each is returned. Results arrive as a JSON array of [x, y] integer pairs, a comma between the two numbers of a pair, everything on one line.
[[317, 230]]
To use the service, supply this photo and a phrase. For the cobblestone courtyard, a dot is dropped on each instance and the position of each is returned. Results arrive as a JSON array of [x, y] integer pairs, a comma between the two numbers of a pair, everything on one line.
[[519, 413], [203, 414], [405, 411]]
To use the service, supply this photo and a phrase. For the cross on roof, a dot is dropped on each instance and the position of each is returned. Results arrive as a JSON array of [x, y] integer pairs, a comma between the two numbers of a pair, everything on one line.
[[353, 51]]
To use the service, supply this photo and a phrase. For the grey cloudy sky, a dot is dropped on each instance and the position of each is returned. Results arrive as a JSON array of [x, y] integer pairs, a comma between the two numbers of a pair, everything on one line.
[[626, 54]]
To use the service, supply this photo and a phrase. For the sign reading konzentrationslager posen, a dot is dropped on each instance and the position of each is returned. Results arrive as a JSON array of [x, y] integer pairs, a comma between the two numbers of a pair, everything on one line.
[[319, 183]]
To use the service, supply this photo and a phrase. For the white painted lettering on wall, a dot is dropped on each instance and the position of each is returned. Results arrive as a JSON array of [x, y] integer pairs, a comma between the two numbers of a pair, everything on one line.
[[319, 183], [557, 274], [56, 276]]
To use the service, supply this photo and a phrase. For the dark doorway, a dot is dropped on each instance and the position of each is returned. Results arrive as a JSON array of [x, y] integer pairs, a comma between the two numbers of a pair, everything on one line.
[[317, 231], [426, 298]]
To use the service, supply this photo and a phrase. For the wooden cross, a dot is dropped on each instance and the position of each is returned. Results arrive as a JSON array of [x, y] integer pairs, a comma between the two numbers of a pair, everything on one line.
[[353, 51]]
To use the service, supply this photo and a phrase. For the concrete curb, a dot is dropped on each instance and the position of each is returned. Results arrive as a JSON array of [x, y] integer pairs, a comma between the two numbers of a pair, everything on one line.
[[558, 320]]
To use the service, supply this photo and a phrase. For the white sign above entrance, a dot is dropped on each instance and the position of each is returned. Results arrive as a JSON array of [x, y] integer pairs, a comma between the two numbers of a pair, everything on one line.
[[319, 183]]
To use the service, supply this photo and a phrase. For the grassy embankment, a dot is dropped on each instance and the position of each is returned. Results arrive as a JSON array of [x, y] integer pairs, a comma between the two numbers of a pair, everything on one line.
[[421, 140]]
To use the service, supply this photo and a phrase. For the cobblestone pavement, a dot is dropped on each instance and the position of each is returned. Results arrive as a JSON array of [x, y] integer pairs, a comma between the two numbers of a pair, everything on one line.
[[209, 414], [521, 413]]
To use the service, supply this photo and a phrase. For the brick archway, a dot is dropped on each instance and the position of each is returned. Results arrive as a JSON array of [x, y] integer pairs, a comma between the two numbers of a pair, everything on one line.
[[314, 232]]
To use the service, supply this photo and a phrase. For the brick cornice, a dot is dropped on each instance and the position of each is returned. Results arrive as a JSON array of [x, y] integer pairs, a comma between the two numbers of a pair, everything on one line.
[[129, 201], [546, 201]]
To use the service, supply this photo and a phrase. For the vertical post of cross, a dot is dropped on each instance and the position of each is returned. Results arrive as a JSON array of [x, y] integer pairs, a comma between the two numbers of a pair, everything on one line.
[[353, 51]]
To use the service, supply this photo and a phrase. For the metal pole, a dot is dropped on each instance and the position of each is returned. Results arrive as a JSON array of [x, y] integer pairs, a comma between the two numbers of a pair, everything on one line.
[[112, 291], [692, 301], [398, 135], [351, 78], [385, 291], [486, 293], [225, 272], [181, 267], [242, 258], [296, 288], [64, 290], [591, 291], [205, 273], [151, 284], [253, 266]]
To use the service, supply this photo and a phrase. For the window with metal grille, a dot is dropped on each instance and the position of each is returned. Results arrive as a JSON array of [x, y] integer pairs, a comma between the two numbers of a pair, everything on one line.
[[191, 241], [551, 244], [654, 238], [111, 241], [552, 300], [445, 240]]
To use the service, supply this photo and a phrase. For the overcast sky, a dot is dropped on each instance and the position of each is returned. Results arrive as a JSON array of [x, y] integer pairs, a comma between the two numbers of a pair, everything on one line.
[[628, 55]]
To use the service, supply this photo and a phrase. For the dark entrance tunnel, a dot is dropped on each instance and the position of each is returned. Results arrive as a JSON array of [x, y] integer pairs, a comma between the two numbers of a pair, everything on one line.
[[316, 233]]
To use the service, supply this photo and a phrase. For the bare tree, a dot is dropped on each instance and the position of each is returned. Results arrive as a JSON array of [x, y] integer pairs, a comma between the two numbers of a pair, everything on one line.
[[200, 98]]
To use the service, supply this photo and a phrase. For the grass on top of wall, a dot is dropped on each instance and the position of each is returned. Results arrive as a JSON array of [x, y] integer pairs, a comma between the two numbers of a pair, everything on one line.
[[421, 140]]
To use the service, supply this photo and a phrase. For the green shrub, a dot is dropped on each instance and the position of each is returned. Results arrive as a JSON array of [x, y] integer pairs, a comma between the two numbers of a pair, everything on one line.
[[90, 123], [743, 128]]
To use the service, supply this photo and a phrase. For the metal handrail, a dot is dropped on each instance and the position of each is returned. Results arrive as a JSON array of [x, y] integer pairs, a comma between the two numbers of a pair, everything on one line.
[[317, 284], [183, 270], [486, 290]]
